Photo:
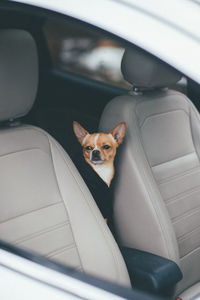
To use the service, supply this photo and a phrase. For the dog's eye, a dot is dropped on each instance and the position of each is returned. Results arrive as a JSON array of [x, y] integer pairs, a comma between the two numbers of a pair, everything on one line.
[[106, 147], [88, 148]]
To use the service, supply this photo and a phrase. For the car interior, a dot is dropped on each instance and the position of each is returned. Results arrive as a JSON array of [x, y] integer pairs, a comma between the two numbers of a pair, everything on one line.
[[46, 207]]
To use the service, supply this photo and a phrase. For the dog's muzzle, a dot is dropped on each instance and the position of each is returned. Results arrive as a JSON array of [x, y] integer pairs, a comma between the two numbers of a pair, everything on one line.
[[96, 156]]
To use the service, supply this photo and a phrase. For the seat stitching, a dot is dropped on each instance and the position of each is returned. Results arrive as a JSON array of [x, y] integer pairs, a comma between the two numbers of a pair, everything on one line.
[[60, 250], [177, 177], [63, 200], [182, 195], [162, 113], [24, 150], [41, 232], [184, 236], [186, 215], [29, 212], [190, 253], [89, 205], [174, 159]]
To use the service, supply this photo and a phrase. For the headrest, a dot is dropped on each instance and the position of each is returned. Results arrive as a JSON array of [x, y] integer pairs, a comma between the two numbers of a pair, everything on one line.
[[143, 70], [18, 73]]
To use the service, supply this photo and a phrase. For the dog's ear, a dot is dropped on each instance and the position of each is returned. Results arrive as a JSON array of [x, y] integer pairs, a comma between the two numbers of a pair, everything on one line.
[[79, 131], [119, 132]]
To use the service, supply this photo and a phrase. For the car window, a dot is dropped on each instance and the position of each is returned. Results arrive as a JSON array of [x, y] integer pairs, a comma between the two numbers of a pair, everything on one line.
[[84, 52]]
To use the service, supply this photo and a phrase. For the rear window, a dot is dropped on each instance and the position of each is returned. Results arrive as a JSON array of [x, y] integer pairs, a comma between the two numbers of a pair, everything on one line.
[[79, 50]]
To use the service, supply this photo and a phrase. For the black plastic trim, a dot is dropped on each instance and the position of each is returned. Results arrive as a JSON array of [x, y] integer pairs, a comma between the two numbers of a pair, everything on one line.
[[151, 272]]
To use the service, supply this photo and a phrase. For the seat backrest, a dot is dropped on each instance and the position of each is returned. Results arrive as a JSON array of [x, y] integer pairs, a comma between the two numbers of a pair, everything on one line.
[[45, 205], [156, 198]]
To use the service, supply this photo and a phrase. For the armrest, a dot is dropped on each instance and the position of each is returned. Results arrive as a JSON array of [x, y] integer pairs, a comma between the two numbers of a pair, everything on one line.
[[151, 272]]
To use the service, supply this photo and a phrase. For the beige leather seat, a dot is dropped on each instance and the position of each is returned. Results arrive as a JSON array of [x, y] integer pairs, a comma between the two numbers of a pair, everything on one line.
[[45, 206], [157, 193]]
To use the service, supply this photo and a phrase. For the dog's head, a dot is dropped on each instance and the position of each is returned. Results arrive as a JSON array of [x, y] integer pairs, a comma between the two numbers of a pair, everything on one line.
[[99, 148]]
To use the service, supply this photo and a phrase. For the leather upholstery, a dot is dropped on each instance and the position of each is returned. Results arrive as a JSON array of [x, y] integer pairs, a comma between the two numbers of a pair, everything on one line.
[[192, 293], [18, 73], [157, 207], [45, 205], [143, 70]]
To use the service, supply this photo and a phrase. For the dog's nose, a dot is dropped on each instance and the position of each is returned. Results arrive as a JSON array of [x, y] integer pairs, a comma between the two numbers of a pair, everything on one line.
[[95, 154]]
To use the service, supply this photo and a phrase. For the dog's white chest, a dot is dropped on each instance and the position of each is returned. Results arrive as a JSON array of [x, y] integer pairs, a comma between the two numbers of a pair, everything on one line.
[[104, 172]]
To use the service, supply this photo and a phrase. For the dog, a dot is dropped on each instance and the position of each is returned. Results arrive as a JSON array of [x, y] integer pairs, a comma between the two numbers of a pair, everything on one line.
[[99, 149]]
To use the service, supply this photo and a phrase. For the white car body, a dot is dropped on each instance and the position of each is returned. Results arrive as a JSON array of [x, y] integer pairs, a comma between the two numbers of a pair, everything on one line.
[[32, 281]]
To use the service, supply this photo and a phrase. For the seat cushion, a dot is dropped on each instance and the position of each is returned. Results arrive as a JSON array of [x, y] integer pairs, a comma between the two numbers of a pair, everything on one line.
[[193, 293], [160, 169], [46, 207]]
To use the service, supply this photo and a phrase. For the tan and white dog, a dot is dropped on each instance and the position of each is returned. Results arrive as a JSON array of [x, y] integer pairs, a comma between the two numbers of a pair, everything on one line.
[[99, 149]]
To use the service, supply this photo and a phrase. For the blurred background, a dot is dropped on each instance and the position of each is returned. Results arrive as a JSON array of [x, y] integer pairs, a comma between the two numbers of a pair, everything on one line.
[[80, 51]]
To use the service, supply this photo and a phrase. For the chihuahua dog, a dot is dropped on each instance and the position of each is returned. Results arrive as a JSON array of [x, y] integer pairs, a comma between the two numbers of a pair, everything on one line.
[[99, 149]]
